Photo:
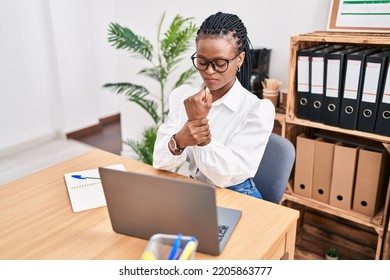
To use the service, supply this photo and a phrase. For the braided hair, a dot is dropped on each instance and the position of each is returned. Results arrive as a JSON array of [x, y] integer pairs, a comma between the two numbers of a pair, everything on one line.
[[223, 24]]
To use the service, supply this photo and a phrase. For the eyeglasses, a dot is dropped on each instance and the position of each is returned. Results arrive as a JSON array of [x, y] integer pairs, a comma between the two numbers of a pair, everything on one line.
[[219, 65]]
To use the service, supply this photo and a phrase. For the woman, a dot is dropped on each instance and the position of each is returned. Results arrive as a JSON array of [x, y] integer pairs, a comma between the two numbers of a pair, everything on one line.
[[220, 128]]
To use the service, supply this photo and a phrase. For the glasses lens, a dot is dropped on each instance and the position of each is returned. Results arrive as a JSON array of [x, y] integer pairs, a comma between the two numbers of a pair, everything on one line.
[[200, 63], [219, 65]]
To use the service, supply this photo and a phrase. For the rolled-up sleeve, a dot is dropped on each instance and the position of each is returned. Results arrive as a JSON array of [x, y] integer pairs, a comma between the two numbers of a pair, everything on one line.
[[162, 157]]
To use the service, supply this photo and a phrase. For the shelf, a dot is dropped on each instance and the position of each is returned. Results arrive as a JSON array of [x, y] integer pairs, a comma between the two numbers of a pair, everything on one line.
[[307, 123], [375, 222], [361, 38]]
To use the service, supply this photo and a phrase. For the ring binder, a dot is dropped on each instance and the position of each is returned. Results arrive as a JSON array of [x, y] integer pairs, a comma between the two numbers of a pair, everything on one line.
[[373, 86], [318, 81], [303, 80], [335, 72], [353, 84], [382, 124]]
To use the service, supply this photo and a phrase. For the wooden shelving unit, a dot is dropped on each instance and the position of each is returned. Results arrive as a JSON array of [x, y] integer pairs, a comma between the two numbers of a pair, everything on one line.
[[380, 222]]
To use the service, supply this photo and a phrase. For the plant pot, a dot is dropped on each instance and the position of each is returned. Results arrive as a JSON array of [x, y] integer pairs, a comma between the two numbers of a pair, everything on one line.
[[332, 254], [327, 257]]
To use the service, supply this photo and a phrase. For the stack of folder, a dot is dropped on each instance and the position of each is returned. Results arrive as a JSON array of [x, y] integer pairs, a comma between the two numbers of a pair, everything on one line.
[[346, 176], [347, 86]]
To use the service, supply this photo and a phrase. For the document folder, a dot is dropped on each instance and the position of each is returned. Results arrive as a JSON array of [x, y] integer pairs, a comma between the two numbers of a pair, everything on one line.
[[374, 73], [382, 124], [371, 182], [343, 176], [335, 71], [318, 81], [303, 80], [304, 165], [322, 173], [353, 84]]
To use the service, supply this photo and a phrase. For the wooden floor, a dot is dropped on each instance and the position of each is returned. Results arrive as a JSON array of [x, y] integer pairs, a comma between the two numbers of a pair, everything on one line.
[[314, 236], [106, 137]]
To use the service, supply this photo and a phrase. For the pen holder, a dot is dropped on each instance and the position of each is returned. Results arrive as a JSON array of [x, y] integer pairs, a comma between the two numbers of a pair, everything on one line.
[[272, 95], [170, 246]]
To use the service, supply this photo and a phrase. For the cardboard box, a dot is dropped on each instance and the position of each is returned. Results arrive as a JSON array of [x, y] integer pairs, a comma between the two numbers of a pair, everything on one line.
[[343, 176], [322, 173], [371, 182], [304, 163]]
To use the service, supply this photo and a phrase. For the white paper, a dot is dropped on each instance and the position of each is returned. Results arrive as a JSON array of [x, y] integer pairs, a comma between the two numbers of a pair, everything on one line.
[[303, 74], [371, 80], [386, 93], [370, 14], [333, 78], [352, 79], [87, 194], [317, 75]]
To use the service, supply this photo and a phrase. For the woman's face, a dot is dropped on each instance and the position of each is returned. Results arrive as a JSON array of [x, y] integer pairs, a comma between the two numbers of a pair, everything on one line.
[[212, 48]]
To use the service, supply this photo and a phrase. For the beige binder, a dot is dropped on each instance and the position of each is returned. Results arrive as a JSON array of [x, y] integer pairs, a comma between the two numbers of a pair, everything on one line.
[[371, 181], [322, 172], [343, 176], [303, 178]]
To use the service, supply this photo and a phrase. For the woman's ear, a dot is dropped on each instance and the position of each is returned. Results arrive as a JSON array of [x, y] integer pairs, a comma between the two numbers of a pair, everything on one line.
[[241, 58]]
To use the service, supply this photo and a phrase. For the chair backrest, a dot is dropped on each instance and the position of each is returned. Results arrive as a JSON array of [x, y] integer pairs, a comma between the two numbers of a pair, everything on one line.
[[275, 168]]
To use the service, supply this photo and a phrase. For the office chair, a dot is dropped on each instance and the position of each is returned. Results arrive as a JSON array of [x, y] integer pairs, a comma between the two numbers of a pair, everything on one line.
[[275, 168]]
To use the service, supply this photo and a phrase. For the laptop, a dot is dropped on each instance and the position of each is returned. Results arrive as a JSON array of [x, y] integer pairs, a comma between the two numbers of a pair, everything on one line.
[[141, 205]]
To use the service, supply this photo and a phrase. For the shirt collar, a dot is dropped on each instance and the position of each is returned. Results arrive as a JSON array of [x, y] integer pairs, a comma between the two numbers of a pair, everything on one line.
[[232, 97]]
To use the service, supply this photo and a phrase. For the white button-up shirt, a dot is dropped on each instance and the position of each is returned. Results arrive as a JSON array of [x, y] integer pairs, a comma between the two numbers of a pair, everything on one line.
[[240, 125]]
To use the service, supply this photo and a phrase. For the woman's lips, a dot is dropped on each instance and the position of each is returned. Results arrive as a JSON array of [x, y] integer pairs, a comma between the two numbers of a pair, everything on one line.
[[210, 80]]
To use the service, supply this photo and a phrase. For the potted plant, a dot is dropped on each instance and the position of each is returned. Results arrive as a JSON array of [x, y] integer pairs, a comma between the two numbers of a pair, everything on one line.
[[163, 59], [332, 254]]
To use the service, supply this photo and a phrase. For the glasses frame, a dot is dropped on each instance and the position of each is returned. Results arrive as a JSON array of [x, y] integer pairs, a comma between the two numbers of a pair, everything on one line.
[[208, 62]]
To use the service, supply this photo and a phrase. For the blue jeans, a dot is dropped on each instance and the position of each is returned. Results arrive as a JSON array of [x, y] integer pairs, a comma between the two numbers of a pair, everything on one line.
[[247, 187]]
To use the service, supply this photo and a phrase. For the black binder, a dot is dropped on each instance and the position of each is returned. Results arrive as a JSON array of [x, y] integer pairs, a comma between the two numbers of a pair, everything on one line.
[[382, 124], [352, 88], [318, 81], [303, 80], [372, 88], [334, 75]]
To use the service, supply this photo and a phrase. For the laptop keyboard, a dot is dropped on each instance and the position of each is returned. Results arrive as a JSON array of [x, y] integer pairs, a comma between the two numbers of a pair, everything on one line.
[[222, 230]]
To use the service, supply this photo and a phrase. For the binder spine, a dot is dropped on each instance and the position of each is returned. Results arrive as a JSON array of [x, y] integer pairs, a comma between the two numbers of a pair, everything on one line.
[[369, 102], [382, 124], [303, 86], [351, 94]]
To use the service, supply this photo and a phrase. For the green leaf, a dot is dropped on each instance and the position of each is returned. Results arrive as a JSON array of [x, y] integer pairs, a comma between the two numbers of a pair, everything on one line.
[[123, 38], [177, 39], [151, 72], [185, 76], [137, 94], [144, 148]]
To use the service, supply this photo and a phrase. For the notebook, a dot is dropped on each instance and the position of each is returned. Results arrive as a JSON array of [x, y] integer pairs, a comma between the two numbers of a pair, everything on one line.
[[142, 205], [85, 188]]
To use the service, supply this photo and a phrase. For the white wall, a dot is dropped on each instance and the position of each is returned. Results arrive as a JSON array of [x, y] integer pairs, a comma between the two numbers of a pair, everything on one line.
[[54, 60], [54, 56], [270, 24]]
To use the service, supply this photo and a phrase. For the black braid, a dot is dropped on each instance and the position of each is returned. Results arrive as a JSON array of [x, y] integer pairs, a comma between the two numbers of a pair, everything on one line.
[[222, 24]]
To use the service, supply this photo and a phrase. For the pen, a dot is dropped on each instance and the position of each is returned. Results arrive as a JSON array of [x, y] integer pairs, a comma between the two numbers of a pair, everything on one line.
[[84, 177], [188, 249], [175, 247]]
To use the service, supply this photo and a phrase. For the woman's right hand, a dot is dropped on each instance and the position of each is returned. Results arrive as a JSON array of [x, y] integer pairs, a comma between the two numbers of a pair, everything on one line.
[[198, 105]]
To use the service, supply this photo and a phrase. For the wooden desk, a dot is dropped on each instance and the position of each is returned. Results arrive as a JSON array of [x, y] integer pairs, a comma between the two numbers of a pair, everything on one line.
[[37, 222]]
